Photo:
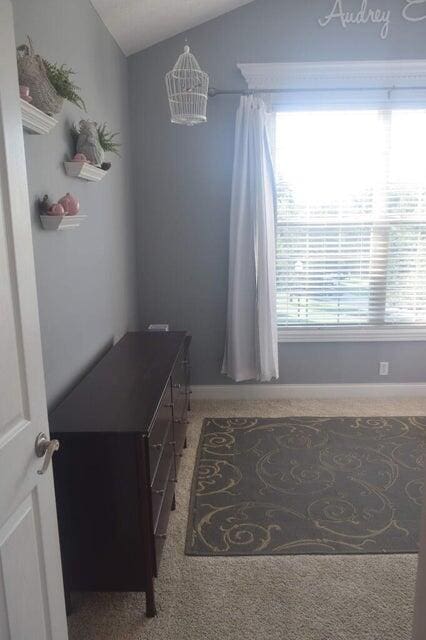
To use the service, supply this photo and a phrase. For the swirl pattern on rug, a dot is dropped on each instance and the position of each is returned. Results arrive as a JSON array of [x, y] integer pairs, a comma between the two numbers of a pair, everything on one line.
[[298, 485]]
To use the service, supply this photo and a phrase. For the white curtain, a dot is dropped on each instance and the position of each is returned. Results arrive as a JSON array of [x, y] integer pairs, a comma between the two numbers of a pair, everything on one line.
[[251, 350]]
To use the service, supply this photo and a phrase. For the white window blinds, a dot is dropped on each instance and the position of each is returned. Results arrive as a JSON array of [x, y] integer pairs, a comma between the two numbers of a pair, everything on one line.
[[351, 221]]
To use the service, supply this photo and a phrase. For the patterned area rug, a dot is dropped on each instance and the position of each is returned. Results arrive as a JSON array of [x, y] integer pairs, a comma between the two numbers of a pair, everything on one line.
[[301, 485]]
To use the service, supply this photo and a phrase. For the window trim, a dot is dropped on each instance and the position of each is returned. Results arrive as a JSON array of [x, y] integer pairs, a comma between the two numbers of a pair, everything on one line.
[[380, 333], [323, 75], [356, 74]]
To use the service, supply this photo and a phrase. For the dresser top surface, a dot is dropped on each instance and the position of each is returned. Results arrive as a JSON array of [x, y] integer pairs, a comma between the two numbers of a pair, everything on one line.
[[122, 392]]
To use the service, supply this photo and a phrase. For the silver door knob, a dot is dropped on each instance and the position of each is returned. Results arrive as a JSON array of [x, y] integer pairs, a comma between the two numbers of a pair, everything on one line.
[[45, 447]]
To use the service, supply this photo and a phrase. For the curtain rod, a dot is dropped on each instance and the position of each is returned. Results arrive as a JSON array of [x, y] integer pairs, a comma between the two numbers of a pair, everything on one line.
[[247, 92]]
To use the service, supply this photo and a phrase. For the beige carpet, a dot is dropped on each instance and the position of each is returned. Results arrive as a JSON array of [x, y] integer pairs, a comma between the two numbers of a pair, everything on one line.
[[262, 598]]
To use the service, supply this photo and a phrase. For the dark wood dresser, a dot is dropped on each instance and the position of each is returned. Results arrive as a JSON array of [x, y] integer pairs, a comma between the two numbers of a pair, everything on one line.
[[122, 431]]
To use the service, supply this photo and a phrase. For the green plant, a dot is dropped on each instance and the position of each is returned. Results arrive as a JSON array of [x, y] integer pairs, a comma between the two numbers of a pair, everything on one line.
[[61, 79], [106, 139]]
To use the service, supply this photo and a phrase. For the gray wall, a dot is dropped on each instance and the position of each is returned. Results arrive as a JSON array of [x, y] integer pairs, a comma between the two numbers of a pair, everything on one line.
[[86, 278], [184, 176]]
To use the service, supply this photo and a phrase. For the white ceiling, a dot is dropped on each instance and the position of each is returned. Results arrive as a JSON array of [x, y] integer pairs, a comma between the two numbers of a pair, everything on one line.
[[137, 24]]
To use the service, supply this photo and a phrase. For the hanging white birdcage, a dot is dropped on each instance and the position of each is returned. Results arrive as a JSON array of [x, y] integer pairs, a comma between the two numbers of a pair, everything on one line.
[[187, 90]]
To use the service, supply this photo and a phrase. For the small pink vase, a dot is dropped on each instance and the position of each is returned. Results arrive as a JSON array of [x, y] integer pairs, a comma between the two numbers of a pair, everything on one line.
[[70, 204], [56, 210]]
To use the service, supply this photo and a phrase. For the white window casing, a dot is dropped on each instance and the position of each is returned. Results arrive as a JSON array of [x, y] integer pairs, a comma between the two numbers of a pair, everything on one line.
[[351, 261]]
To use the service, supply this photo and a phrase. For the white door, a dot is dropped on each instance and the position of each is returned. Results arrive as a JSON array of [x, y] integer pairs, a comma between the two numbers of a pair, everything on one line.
[[31, 591]]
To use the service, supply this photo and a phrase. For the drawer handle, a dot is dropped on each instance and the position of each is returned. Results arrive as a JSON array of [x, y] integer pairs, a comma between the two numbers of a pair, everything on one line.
[[178, 421], [179, 455], [176, 386], [172, 442], [170, 406], [157, 446], [159, 492], [184, 361], [163, 536]]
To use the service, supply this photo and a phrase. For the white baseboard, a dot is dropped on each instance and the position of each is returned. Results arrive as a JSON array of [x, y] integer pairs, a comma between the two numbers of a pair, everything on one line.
[[289, 391]]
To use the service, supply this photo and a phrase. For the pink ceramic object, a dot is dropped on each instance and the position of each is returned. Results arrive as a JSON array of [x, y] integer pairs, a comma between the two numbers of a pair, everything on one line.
[[24, 92], [56, 210], [79, 157], [70, 204]]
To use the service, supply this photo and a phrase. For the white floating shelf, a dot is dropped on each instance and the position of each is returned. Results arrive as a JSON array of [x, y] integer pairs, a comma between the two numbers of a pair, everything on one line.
[[59, 223], [84, 170], [34, 120]]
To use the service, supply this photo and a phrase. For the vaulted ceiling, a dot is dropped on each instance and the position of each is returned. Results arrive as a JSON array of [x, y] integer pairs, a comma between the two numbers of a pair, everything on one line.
[[137, 24]]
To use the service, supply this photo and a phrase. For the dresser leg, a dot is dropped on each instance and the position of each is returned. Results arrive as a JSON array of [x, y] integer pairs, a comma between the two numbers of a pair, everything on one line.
[[185, 444], [173, 507], [151, 610]]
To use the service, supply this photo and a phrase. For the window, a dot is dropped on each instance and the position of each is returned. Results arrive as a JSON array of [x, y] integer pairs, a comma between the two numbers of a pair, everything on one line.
[[351, 223]]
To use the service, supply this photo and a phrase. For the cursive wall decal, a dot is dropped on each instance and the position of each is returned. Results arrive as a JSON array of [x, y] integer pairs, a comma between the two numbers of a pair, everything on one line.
[[363, 16], [413, 11], [408, 11]]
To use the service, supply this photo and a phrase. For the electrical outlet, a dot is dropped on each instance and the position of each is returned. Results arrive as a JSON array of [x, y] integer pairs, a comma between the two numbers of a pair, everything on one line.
[[383, 368]]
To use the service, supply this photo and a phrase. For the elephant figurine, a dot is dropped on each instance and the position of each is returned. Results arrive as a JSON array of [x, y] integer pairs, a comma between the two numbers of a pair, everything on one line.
[[88, 142]]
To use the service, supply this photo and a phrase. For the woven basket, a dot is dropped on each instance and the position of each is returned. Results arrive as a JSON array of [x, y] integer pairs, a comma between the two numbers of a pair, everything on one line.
[[32, 73]]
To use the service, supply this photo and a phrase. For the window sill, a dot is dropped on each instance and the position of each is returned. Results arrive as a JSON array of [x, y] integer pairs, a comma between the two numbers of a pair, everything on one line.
[[351, 334]]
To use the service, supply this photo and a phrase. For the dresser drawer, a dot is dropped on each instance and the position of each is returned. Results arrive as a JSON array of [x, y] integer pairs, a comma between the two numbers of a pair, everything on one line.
[[164, 477], [179, 429], [159, 435], [180, 386], [158, 442], [180, 402], [163, 520]]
